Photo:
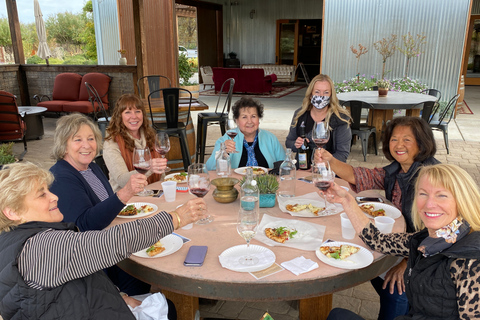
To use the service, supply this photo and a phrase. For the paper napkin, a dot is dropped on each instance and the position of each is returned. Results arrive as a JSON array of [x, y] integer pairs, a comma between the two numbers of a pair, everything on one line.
[[300, 265]]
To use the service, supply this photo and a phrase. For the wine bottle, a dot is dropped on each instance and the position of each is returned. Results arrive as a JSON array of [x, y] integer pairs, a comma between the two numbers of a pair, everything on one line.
[[304, 152]]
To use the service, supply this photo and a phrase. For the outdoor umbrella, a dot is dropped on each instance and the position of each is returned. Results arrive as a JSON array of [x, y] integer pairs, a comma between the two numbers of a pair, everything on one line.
[[43, 50]]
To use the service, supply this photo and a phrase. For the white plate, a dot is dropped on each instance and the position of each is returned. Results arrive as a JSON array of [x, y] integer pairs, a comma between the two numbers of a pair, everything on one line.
[[390, 211], [359, 260], [141, 214], [306, 213], [304, 230], [171, 175], [243, 170], [229, 258], [172, 243]]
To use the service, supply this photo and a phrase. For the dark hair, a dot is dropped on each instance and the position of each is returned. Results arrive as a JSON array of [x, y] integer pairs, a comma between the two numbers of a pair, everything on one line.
[[422, 132], [247, 103]]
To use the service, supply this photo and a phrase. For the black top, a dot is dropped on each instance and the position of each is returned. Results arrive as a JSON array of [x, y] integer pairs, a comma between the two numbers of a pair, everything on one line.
[[261, 161]]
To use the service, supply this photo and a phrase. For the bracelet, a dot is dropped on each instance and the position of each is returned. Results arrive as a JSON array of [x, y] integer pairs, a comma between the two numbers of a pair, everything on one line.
[[178, 219]]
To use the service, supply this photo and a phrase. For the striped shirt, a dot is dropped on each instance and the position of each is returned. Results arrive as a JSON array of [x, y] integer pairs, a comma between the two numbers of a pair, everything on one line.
[[95, 183], [53, 257]]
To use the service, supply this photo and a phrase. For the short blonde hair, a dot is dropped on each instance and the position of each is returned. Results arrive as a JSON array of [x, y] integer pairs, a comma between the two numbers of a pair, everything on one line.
[[67, 127], [462, 186], [16, 182]]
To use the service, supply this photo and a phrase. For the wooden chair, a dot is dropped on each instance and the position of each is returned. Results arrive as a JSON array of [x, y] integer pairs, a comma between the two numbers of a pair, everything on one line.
[[207, 76], [12, 126], [362, 131]]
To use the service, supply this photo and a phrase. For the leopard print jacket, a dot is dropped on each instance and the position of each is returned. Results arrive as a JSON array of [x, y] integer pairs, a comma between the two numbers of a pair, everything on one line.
[[465, 273]]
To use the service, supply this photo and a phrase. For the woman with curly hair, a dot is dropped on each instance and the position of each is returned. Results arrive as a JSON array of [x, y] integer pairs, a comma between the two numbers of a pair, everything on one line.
[[129, 128], [321, 104]]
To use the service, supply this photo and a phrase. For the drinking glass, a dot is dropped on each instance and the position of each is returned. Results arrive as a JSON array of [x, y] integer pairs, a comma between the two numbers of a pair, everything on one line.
[[247, 223], [142, 161], [199, 184], [322, 178], [162, 145], [320, 136], [232, 130]]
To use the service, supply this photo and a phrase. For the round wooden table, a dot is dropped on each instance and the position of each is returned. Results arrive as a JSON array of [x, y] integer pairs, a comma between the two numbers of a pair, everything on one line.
[[313, 288]]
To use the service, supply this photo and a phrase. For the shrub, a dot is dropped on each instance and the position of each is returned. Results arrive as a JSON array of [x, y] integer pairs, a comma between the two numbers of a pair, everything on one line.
[[36, 60], [365, 84]]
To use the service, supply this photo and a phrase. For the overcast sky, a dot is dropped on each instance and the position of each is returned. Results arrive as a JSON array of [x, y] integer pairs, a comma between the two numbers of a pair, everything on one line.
[[49, 7]]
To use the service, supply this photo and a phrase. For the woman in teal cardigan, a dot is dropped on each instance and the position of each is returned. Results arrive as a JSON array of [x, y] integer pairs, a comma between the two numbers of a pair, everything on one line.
[[254, 147]]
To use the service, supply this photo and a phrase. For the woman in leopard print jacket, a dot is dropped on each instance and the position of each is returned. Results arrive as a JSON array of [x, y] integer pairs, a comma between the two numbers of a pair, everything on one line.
[[443, 275]]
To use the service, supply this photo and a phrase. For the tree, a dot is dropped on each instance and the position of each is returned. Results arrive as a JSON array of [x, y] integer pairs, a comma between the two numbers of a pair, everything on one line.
[[5, 38], [187, 32], [412, 47], [88, 34], [65, 29], [386, 47], [29, 38]]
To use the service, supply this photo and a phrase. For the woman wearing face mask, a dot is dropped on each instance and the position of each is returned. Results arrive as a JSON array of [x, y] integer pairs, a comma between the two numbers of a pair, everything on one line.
[[321, 104]]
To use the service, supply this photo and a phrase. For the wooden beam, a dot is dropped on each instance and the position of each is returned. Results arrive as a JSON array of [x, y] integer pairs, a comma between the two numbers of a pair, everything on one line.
[[140, 44], [15, 33]]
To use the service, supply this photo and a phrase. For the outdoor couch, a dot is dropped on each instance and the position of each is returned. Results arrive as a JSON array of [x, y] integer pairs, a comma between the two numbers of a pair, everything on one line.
[[71, 95], [246, 80], [285, 73]]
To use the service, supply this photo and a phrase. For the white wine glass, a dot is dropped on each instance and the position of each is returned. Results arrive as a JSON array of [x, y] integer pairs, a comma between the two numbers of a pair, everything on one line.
[[247, 224], [232, 130], [199, 185], [320, 136], [162, 145], [322, 178], [142, 161]]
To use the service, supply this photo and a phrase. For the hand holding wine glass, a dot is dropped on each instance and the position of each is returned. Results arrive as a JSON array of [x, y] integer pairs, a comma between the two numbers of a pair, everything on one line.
[[142, 162], [247, 224], [199, 185], [232, 130], [162, 145], [322, 178]]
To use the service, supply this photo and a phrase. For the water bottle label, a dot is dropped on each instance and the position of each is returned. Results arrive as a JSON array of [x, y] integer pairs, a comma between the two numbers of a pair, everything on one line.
[[222, 165]]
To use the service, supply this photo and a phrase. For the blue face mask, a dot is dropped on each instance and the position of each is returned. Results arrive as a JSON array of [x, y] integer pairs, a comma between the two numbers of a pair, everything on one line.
[[320, 102]]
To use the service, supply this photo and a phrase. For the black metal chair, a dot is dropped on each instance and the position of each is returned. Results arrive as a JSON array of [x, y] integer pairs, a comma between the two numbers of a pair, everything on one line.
[[205, 119], [433, 92], [154, 83], [101, 163], [362, 131], [444, 119], [100, 114], [12, 126], [427, 109], [172, 126]]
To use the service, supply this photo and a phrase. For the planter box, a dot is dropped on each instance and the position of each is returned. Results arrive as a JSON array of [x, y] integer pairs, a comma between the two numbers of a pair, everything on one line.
[[267, 200]]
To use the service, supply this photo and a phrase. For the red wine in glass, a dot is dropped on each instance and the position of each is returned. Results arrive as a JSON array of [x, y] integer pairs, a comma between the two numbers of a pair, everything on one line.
[[323, 185], [142, 168], [232, 134], [320, 143], [199, 192]]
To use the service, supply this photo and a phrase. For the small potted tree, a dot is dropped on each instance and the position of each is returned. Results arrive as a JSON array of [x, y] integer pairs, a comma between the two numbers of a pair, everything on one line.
[[383, 86], [186, 69], [267, 186]]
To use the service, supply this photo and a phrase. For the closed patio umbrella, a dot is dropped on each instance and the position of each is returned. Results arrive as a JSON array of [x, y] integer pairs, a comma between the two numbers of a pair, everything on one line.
[[43, 50]]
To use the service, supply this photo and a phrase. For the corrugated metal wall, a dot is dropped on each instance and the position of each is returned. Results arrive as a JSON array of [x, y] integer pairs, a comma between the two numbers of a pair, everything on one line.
[[350, 22], [475, 6], [106, 31]]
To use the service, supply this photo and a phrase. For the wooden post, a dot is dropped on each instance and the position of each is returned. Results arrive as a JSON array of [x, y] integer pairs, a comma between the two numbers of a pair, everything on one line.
[[140, 45], [315, 308]]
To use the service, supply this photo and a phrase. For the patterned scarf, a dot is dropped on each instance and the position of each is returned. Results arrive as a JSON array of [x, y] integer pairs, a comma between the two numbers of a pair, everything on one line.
[[252, 161], [447, 236]]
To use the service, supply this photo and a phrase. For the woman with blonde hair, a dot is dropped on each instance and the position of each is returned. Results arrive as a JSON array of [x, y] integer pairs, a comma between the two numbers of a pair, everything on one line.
[[321, 105], [129, 128], [443, 273]]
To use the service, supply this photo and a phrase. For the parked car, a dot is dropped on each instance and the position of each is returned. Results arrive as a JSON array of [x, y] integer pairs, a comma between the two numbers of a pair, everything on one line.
[[191, 53]]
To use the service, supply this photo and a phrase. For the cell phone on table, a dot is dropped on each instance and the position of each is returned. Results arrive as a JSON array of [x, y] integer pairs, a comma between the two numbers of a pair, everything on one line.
[[195, 256], [369, 199]]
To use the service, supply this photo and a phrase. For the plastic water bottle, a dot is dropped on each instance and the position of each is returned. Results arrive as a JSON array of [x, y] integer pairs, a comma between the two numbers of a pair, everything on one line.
[[223, 164], [249, 194], [287, 174]]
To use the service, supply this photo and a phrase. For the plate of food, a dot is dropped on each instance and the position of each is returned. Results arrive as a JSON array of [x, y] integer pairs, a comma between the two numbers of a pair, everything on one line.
[[178, 177], [282, 232], [305, 208], [229, 258], [344, 255], [377, 209], [256, 170], [137, 210], [166, 246]]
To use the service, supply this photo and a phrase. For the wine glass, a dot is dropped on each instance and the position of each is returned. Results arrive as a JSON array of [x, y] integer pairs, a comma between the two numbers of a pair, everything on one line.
[[320, 136], [199, 184], [142, 161], [232, 130], [322, 178], [247, 224], [162, 145]]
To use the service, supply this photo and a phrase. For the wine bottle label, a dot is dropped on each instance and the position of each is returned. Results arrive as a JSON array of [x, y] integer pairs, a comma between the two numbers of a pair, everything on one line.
[[302, 161]]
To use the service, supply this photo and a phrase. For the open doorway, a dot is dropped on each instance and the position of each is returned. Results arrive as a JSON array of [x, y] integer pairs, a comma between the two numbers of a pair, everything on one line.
[[471, 70]]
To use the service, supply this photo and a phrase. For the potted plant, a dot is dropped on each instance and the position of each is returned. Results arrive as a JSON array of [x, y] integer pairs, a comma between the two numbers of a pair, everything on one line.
[[123, 60], [6, 154], [267, 186], [186, 69], [383, 86]]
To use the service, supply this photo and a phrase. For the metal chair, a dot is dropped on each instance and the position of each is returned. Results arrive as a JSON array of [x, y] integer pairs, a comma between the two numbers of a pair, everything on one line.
[[362, 131], [205, 119], [433, 92], [12, 126], [172, 126], [444, 119], [153, 82], [100, 114], [427, 108]]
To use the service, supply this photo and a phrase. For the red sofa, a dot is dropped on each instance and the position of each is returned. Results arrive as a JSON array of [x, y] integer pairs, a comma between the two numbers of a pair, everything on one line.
[[70, 94], [246, 80]]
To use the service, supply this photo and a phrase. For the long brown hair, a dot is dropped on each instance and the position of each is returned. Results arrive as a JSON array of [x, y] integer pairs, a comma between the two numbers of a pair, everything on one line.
[[117, 128], [333, 108]]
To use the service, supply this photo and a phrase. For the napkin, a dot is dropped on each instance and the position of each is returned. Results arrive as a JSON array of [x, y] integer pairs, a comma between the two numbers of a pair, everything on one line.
[[299, 265], [232, 262], [153, 307], [312, 196]]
